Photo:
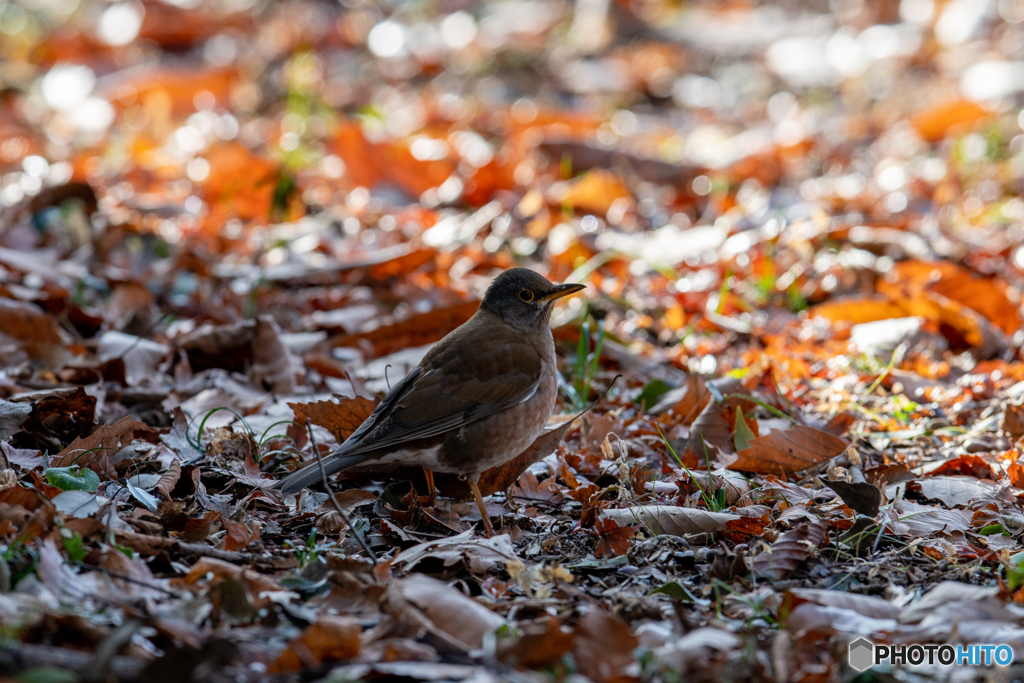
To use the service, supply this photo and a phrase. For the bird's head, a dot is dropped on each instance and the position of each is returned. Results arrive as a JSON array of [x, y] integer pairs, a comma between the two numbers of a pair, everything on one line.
[[523, 298]]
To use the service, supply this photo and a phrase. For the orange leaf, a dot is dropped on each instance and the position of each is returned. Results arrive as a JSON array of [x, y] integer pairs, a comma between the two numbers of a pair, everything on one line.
[[935, 123], [329, 638]]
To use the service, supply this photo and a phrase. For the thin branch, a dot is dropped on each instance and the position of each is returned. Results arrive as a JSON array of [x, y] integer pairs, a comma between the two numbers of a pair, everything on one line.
[[330, 494]]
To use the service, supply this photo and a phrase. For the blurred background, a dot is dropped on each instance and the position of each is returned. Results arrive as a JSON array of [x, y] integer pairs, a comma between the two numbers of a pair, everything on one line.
[[703, 162]]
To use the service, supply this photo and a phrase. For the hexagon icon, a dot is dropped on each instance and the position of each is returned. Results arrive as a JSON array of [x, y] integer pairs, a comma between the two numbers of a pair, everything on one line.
[[862, 654]]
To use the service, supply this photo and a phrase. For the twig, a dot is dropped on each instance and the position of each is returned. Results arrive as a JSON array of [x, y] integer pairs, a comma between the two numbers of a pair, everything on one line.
[[330, 494]]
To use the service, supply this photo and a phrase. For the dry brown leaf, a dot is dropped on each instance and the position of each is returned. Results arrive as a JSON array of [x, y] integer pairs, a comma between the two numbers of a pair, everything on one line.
[[340, 419], [867, 605], [910, 520], [457, 623], [788, 451], [416, 330], [257, 585], [784, 555], [861, 497], [951, 491], [239, 536], [480, 555], [711, 428], [271, 362], [29, 326], [1012, 421], [127, 300], [671, 519], [812, 618], [105, 441], [330, 638], [169, 479], [603, 647], [612, 540]]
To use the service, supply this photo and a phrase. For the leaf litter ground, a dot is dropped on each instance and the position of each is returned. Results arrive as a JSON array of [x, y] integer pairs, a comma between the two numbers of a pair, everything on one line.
[[800, 231]]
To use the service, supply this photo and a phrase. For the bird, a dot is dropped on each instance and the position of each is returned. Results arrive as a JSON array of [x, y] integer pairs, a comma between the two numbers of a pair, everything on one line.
[[478, 398]]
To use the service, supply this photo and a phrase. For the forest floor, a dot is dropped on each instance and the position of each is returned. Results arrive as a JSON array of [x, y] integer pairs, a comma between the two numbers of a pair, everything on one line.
[[792, 395]]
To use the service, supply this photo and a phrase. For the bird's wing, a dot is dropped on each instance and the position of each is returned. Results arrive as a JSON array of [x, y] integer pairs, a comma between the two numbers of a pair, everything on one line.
[[451, 388]]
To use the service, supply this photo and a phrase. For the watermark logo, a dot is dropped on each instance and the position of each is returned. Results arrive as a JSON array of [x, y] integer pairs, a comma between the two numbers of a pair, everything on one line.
[[864, 653]]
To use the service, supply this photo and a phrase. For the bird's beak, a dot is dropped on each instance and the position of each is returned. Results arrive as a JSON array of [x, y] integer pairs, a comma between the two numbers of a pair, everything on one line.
[[562, 290]]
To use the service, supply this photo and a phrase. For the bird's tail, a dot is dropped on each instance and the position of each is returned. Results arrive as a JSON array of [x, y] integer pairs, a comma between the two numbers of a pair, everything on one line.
[[310, 474]]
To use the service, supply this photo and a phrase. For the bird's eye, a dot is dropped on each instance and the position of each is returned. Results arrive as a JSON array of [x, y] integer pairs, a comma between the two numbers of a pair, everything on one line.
[[526, 295]]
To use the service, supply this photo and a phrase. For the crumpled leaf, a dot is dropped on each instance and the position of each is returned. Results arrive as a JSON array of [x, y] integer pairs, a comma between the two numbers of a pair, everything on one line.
[[169, 479], [32, 328], [710, 429], [782, 557], [603, 646]]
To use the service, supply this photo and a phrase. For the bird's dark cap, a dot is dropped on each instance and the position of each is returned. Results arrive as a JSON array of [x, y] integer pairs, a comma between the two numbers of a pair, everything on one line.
[[520, 296]]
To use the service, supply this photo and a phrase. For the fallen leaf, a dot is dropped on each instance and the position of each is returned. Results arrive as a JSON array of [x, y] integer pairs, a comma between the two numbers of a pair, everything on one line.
[[861, 497], [272, 365], [455, 622], [28, 325], [12, 416], [867, 605], [670, 519], [743, 436], [177, 439], [329, 638], [952, 491], [340, 419], [106, 440], [603, 647], [417, 330], [788, 451], [949, 118], [480, 555], [709, 429], [169, 479], [782, 557], [612, 540]]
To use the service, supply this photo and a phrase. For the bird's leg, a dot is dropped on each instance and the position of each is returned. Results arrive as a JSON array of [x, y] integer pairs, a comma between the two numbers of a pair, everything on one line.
[[430, 483], [473, 479]]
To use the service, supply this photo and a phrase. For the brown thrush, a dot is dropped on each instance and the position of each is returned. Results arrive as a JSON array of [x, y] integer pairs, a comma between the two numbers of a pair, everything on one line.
[[479, 398]]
